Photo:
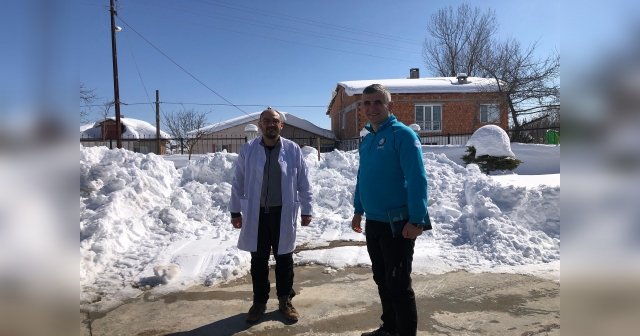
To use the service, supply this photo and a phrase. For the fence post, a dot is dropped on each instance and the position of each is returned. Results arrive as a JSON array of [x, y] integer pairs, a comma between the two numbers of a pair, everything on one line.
[[318, 148], [110, 143], [181, 147], [448, 138]]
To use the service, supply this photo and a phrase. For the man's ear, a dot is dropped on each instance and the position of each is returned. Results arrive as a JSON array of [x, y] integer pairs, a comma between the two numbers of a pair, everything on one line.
[[390, 105]]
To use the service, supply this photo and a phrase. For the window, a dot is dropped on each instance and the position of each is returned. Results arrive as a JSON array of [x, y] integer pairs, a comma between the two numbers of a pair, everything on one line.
[[489, 113], [429, 117], [344, 119]]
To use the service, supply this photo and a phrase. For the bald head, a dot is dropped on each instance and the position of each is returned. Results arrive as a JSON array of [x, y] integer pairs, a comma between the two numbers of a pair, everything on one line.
[[270, 111]]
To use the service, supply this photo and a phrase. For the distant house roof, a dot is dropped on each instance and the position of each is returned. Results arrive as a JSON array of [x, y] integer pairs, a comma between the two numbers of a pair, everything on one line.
[[422, 85], [419, 85], [289, 119], [134, 129]]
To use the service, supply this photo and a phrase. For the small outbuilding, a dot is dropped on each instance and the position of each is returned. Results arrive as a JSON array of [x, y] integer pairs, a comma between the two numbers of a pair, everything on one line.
[[137, 135]]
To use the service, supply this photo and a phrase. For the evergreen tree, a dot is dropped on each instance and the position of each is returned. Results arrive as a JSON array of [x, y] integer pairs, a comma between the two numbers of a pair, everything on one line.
[[490, 163]]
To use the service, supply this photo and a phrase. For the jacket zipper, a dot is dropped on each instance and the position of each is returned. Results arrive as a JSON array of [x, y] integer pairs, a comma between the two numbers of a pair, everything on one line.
[[375, 134]]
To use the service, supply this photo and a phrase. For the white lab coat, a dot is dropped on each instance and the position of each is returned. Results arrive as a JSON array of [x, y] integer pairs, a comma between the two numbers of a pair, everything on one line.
[[247, 186]]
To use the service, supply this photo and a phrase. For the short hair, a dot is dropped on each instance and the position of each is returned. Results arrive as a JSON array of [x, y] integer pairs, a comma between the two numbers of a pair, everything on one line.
[[373, 88], [269, 109]]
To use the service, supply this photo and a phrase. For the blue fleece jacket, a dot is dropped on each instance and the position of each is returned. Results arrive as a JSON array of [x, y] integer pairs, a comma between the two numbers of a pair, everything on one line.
[[391, 173]]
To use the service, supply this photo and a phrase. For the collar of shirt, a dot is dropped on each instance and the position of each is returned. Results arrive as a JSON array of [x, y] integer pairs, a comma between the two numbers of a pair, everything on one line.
[[264, 145]]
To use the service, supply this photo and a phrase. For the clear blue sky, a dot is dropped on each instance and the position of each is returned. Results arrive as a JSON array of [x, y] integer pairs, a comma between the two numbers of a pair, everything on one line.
[[269, 52]]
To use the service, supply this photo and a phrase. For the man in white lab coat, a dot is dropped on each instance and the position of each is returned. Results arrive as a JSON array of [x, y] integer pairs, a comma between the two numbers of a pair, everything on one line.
[[270, 187]]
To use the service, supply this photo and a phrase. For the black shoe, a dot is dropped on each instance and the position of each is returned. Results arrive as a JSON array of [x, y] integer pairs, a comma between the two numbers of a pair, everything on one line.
[[380, 332], [255, 312]]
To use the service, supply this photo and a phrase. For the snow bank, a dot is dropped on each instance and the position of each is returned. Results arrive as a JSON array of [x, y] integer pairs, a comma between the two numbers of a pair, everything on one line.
[[491, 140], [145, 224]]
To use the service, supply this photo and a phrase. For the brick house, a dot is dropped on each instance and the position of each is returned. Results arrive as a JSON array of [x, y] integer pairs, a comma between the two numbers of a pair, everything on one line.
[[440, 106]]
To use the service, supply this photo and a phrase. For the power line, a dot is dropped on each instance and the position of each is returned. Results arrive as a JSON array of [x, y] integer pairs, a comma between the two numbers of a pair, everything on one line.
[[179, 66], [307, 21], [281, 40], [138, 69], [288, 29], [214, 104]]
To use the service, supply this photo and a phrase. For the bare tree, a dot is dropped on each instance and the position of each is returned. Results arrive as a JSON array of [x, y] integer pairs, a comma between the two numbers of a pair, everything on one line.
[[457, 39], [461, 40], [187, 126], [530, 85], [87, 97]]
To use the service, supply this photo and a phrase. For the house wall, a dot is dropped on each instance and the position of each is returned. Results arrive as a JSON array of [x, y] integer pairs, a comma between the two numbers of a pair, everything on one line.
[[460, 111], [110, 127]]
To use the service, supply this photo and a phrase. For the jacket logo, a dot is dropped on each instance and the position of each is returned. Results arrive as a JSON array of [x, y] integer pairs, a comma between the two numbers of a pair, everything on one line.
[[381, 143]]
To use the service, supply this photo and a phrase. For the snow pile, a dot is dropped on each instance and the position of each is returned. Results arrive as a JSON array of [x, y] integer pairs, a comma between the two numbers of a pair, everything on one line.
[[146, 224], [491, 140], [118, 189]]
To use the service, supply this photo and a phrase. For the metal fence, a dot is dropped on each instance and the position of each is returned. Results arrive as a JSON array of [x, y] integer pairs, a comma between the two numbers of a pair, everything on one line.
[[530, 135], [210, 144], [232, 144]]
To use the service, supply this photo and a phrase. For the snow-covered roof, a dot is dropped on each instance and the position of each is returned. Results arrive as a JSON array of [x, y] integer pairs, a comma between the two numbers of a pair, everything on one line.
[[134, 129], [289, 119], [423, 85]]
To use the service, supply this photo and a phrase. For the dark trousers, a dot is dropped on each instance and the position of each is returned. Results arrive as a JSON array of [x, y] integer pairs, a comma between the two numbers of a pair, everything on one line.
[[391, 260], [268, 237]]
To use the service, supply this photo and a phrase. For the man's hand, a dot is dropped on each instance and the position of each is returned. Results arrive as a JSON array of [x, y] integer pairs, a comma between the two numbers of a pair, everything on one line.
[[355, 223], [305, 220], [237, 222], [411, 231]]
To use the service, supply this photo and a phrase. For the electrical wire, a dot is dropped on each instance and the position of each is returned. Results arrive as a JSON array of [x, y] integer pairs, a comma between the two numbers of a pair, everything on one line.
[[287, 28], [139, 74], [307, 21], [183, 69], [215, 104], [282, 40]]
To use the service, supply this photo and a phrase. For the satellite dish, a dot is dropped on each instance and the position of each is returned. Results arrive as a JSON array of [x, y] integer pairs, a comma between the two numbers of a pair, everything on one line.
[[118, 28]]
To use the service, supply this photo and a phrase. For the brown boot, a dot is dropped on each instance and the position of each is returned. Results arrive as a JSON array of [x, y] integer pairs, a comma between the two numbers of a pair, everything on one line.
[[287, 309], [255, 312]]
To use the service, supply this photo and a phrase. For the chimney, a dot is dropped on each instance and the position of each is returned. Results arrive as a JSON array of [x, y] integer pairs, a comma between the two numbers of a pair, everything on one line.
[[462, 78], [414, 73]]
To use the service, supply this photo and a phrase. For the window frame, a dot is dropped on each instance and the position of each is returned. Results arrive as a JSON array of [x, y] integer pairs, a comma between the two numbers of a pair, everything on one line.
[[488, 121], [431, 121]]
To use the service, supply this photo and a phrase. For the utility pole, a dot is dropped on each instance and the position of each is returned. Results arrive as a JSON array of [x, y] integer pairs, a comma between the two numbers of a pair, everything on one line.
[[116, 90], [158, 122]]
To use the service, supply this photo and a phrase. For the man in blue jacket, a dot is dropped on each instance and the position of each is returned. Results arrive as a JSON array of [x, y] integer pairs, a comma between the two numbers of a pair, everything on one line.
[[391, 176]]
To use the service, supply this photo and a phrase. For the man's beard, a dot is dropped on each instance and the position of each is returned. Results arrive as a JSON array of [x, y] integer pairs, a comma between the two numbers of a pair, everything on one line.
[[272, 135]]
